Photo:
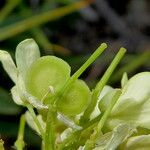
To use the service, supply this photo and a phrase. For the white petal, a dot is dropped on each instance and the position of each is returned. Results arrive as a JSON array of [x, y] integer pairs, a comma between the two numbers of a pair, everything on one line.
[[16, 97], [26, 53], [133, 105], [9, 65], [111, 140], [36, 103], [141, 142], [96, 110], [68, 122], [32, 124]]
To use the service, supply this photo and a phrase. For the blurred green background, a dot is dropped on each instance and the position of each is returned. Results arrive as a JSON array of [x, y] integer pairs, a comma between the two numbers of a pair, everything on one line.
[[72, 30]]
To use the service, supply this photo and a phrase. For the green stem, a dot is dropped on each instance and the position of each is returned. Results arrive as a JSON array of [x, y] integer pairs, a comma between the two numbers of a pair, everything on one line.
[[132, 65], [49, 140], [6, 10], [98, 129], [19, 144], [108, 111], [76, 75], [42, 39], [46, 44], [92, 58], [76, 134], [34, 21], [101, 84], [70, 140], [31, 110]]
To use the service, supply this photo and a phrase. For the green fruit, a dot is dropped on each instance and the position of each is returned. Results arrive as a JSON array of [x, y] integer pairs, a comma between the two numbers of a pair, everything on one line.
[[75, 100], [46, 71]]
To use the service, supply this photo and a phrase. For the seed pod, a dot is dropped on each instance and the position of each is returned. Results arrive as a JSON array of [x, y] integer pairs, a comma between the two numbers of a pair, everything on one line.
[[75, 100], [47, 71]]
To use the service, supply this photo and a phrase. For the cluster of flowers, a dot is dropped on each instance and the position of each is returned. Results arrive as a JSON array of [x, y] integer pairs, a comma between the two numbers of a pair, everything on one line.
[[70, 115]]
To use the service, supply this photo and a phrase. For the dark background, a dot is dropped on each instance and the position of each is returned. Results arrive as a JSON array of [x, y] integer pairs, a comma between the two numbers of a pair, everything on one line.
[[73, 37]]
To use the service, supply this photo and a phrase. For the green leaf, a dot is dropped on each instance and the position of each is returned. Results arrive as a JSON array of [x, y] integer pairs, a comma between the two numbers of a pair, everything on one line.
[[76, 99], [26, 53], [7, 106], [9, 65], [133, 105], [46, 75], [65, 1], [141, 142]]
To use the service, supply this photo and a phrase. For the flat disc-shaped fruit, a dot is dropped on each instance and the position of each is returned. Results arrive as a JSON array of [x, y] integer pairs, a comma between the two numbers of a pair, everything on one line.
[[46, 71], [75, 100]]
